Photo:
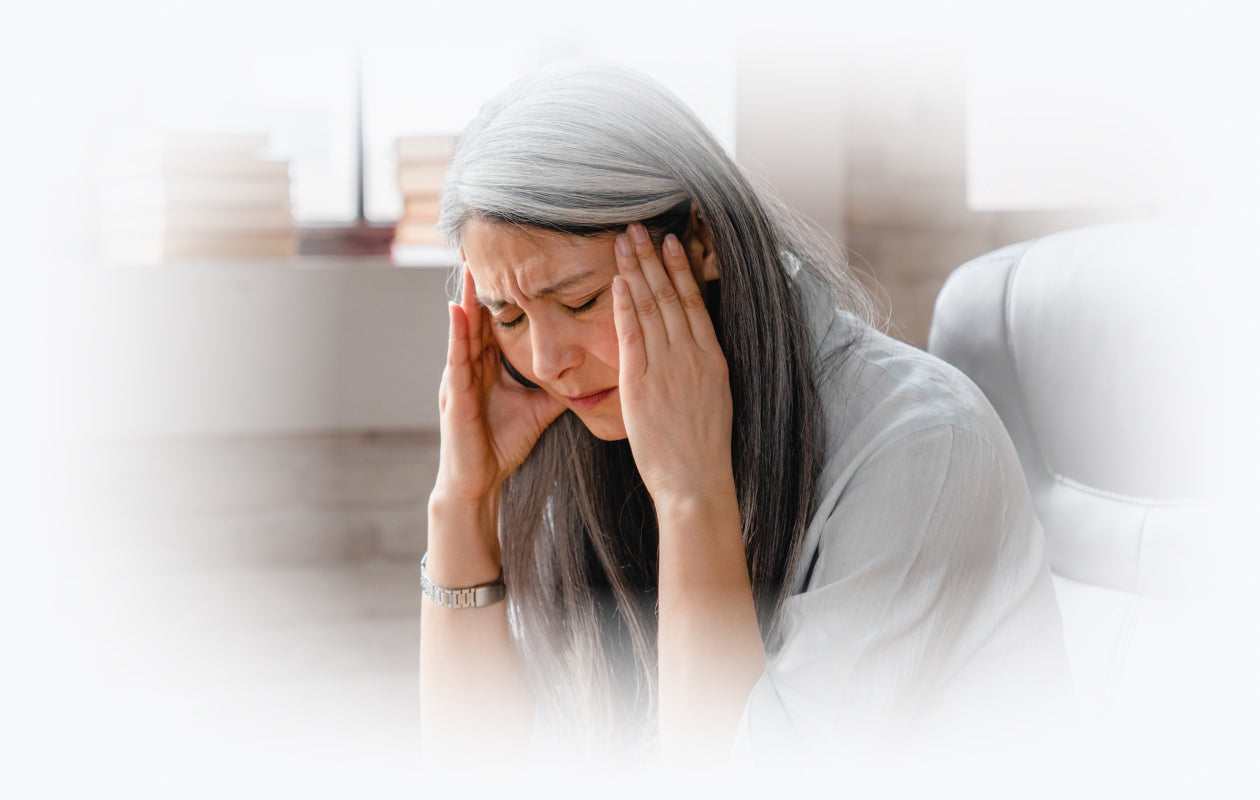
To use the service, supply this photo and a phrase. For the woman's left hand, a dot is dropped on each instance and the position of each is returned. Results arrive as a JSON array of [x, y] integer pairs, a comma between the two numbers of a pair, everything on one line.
[[674, 386]]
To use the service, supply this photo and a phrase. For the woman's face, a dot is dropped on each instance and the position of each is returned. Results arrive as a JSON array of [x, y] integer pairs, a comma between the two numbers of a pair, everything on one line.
[[550, 300]]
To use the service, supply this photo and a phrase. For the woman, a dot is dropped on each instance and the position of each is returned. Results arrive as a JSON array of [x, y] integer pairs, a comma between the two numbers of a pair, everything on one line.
[[722, 511]]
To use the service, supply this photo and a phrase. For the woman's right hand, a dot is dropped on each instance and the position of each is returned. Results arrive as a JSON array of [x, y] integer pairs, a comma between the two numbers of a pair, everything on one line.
[[470, 671], [489, 422]]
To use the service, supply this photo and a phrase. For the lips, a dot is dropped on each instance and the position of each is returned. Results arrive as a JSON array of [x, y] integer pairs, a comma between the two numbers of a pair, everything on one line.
[[588, 401]]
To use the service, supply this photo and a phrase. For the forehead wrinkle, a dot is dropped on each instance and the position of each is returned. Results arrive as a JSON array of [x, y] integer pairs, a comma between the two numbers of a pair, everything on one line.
[[495, 304], [520, 259], [563, 283]]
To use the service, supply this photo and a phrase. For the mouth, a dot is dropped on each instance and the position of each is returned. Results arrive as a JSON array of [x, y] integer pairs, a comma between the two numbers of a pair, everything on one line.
[[588, 401]]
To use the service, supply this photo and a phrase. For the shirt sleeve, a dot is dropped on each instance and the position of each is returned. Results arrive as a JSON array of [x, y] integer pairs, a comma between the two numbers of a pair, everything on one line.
[[929, 583]]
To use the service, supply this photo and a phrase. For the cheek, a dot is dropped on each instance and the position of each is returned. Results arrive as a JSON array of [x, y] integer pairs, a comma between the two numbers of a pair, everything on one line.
[[599, 341], [515, 350], [604, 345]]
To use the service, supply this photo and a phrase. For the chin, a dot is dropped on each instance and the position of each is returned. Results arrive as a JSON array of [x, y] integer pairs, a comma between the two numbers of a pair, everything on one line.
[[606, 429]]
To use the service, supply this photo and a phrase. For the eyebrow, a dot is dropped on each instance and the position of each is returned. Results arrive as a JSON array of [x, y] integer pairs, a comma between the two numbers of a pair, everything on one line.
[[495, 304]]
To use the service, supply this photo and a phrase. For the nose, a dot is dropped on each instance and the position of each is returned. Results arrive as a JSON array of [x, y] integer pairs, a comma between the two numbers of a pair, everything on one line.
[[556, 349]]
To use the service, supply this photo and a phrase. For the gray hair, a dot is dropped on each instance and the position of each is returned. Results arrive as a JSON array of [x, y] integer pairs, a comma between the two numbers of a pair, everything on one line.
[[586, 148]]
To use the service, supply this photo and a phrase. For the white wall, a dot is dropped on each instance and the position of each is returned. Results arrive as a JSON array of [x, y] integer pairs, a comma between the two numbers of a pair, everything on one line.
[[260, 348]]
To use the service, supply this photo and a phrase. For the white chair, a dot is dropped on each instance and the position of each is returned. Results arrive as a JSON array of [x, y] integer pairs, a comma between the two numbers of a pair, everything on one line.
[[1093, 346]]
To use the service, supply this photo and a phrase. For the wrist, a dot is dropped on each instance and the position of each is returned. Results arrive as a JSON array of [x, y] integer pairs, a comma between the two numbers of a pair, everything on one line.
[[463, 542], [479, 596], [701, 542], [698, 501], [453, 492]]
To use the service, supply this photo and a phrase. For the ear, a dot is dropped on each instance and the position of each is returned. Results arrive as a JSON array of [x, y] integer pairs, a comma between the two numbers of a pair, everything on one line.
[[699, 248]]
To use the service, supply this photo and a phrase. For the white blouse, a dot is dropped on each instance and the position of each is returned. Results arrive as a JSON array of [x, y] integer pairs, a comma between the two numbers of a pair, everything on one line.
[[923, 597]]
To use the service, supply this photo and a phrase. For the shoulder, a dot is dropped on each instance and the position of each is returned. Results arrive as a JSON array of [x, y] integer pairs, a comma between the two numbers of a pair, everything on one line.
[[871, 385], [916, 460], [875, 390]]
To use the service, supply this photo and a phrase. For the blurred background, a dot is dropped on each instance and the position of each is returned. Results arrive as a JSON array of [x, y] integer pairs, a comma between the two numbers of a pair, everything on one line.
[[226, 317]]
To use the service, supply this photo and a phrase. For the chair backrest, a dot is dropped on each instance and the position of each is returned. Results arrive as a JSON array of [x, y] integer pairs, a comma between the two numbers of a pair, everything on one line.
[[1092, 346]]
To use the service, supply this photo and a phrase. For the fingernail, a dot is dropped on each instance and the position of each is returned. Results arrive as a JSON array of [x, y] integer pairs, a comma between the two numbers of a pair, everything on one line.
[[639, 233], [623, 245], [619, 285], [672, 246]]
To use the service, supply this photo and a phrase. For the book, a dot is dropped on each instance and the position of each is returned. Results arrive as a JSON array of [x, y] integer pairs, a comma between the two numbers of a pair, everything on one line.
[[171, 166], [192, 193], [417, 230], [194, 196], [421, 178], [422, 207], [183, 219], [146, 250], [422, 163]]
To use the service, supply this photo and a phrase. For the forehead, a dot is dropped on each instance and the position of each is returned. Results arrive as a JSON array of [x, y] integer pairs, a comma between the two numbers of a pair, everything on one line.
[[508, 261]]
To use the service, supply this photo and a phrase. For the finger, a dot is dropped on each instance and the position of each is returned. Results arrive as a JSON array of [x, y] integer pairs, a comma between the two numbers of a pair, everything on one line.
[[490, 350], [631, 353], [478, 335], [472, 309], [691, 299], [458, 369], [650, 325], [662, 288]]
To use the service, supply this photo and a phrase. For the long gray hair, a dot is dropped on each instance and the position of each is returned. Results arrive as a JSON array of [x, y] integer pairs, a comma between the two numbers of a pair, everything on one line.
[[585, 148]]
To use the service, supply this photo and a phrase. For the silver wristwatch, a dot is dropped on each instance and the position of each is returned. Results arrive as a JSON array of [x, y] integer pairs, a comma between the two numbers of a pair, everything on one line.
[[473, 597]]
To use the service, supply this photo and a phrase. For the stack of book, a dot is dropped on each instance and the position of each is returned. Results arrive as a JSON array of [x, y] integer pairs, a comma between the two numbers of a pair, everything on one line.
[[422, 162], [178, 197]]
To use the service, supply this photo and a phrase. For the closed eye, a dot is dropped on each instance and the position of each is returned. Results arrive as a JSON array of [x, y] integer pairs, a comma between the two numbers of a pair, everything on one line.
[[508, 324], [588, 305]]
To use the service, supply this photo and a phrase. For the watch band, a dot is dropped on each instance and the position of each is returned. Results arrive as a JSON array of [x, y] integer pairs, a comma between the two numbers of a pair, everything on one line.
[[472, 597]]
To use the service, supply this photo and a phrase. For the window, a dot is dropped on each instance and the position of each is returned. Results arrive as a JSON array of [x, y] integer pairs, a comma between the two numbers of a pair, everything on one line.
[[333, 108]]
